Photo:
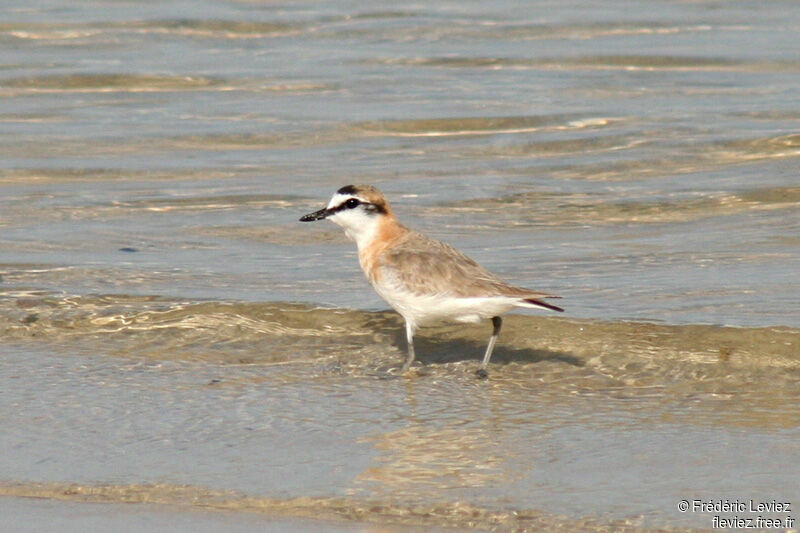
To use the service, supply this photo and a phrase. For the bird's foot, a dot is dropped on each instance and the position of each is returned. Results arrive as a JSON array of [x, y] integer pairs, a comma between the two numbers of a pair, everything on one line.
[[402, 372], [481, 373]]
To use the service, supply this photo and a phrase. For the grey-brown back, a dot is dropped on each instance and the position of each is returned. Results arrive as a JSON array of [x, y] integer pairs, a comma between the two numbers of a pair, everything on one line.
[[425, 266]]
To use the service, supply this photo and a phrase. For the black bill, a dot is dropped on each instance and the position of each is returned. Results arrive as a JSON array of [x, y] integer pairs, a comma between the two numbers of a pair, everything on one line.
[[316, 215]]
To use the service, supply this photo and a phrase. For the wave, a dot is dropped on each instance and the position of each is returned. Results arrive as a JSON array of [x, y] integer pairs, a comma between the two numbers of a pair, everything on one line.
[[148, 83], [535, 208], [455, 126], [269, 333], [456, 514], [418, 25], [653, 63], [196, 28], [109, 82]]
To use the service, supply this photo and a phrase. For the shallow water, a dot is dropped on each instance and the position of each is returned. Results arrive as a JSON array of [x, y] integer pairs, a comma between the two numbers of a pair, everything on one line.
[[170, 332], [37, 515]]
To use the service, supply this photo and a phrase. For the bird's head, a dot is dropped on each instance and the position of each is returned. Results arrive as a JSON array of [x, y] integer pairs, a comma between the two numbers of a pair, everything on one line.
[[358, 209]]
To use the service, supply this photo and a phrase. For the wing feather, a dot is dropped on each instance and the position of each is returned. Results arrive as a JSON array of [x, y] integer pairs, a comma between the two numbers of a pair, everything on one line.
[[425, 266]]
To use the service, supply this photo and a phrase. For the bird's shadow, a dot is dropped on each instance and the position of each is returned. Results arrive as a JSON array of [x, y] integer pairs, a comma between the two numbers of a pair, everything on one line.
[[430, 350]]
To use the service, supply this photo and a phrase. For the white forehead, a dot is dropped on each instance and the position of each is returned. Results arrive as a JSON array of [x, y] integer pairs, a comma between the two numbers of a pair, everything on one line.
[[338, 199]]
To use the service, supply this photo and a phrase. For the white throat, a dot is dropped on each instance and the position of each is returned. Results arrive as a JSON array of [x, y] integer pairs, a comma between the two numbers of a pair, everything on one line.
[[358, 225]]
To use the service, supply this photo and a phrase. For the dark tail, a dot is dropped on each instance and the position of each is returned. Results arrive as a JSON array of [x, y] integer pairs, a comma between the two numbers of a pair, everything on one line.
[[546, 305]]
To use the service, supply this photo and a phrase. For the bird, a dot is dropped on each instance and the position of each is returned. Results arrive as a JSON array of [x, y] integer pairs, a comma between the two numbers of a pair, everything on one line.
[[426, 281]]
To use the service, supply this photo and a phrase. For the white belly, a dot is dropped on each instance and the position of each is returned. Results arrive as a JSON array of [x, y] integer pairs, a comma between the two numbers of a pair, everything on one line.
[[423, 310]]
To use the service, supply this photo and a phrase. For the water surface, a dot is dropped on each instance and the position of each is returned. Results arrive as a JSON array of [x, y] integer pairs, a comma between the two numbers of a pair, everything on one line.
[[171, 334]]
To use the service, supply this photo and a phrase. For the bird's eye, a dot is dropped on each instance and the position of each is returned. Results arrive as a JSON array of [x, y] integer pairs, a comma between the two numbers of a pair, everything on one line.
[[351, 203]]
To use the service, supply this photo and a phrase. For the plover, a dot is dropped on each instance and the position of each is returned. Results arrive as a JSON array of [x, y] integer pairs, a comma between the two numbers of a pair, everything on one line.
[[424, 280]]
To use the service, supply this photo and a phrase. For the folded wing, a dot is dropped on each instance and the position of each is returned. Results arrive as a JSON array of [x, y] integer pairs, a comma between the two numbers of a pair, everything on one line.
[[425, 266]]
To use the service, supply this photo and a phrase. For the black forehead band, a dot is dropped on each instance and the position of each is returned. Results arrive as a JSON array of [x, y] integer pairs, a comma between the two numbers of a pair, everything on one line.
[[348, 189]]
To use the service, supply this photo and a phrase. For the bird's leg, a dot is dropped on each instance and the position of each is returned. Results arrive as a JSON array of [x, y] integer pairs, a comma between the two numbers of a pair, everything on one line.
[[410, 340], [497, 322]]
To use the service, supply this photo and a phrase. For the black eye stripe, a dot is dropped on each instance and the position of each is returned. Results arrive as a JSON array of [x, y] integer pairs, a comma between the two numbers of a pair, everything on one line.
[[352, 203]]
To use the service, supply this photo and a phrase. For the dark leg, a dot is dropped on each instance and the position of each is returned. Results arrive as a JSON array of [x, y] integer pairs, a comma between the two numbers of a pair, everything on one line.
[[410, 340], [497, 322]]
